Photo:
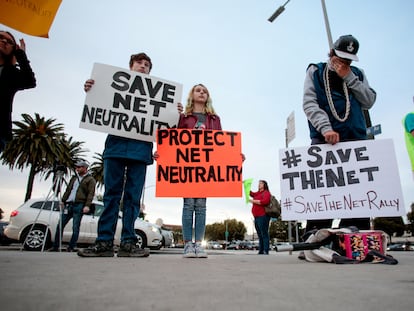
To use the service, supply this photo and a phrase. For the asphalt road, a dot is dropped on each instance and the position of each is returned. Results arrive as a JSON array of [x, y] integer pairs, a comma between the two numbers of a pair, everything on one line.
[[227, 280]]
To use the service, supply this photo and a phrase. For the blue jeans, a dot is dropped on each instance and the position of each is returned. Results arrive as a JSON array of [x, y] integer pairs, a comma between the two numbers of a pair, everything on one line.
[[74, 210], [116, 173], [261, 224], [194, 209]]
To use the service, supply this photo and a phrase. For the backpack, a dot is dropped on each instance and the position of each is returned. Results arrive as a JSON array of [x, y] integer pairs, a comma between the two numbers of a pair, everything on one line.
[[273, 209]]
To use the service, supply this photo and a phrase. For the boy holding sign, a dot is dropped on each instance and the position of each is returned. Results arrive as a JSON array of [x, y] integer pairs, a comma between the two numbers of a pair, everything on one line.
[[125, 166]]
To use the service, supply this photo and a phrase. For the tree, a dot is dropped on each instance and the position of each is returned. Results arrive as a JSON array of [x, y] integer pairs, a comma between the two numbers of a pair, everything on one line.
[[41, 145], [97, 170], [216, 231], [390, 225], [279, 230]]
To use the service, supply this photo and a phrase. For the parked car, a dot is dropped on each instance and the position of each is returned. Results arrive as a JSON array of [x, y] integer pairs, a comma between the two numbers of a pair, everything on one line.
[[248, 245], [234, 245], [34, 224], [4, 240], [399, 247], [214, 245]]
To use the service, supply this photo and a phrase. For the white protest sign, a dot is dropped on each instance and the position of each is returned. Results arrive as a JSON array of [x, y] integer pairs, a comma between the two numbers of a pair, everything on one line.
[[130, 104], [347, 180]]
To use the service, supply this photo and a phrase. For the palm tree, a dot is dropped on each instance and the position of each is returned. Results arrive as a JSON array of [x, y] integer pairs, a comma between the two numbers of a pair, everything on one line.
[[72, 153], [40, 144], [97, 169]]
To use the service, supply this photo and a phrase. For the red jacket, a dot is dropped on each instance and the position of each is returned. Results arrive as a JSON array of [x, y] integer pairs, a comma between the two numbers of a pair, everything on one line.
[[264, 197], [188, 121]]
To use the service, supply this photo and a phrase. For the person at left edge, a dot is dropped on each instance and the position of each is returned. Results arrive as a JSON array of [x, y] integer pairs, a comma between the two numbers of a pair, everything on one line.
[[15, 75], [76, 201]]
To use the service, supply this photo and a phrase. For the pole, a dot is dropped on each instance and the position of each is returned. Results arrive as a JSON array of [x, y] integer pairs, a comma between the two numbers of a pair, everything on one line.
[[227, 232], [328, 28], [289, 222]]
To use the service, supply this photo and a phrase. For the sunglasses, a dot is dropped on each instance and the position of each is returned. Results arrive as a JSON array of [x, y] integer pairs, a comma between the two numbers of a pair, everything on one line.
[[7, 40]]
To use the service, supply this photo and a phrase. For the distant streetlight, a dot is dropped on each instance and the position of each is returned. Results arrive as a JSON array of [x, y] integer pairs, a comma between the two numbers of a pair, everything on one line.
[[325, 15], [277, 12]]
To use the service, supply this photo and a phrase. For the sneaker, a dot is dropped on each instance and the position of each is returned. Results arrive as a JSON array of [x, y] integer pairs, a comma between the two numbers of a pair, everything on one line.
[[200, 252], [130, 249], [100, 249], [189, 250]]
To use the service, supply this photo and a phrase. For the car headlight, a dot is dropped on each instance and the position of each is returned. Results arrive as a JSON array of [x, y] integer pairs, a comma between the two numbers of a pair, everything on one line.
[[155, 229]]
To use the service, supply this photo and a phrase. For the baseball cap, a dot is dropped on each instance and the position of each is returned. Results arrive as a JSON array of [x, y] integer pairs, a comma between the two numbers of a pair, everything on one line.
[[81, 163], [346, 47]]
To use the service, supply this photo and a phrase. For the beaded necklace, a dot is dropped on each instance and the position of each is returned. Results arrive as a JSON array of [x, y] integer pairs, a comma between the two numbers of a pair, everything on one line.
[[329, 97]]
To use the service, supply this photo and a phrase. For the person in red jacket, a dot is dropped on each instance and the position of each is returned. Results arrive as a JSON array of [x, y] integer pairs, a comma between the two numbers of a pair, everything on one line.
[[261, 220]]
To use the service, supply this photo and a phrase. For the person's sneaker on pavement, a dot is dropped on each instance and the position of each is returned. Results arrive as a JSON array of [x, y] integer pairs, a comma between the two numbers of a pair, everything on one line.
[[189, 250], [130, 249], [200, 252], [100, 249]]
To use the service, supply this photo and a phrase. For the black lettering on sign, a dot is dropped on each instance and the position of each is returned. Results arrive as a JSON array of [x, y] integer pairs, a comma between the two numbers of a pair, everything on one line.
[[121, 121], [188, 174], [143, 86], [185, 137], [334, 157]]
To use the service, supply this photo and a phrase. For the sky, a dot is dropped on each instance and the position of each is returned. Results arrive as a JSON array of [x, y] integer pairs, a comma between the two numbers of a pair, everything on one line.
[[253, 69]]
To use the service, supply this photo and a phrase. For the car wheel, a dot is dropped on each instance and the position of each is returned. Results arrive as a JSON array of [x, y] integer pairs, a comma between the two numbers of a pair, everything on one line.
[[142, 239], [33, 239]]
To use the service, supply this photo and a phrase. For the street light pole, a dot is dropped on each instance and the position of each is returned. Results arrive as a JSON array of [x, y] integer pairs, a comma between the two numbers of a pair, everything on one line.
[[325, 16], [328, 28], [277, 12], [330, 42]]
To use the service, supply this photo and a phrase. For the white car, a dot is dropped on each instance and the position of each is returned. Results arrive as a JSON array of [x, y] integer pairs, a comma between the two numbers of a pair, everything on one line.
[[34, 224]]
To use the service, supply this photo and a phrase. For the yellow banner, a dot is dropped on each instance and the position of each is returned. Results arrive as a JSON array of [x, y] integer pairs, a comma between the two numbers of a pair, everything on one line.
[[33, 17]]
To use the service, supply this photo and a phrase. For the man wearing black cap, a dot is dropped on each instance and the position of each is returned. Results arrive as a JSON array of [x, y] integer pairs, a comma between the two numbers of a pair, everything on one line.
[[335, 95], [76, 200]]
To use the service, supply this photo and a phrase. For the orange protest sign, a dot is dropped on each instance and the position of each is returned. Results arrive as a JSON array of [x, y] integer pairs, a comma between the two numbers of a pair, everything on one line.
[[32, 17], [198, 163]]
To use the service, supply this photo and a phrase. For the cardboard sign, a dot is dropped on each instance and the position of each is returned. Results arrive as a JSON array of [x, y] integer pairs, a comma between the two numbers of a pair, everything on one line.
[[130, 104], [34, 17], [198, 163], [347, 180]]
